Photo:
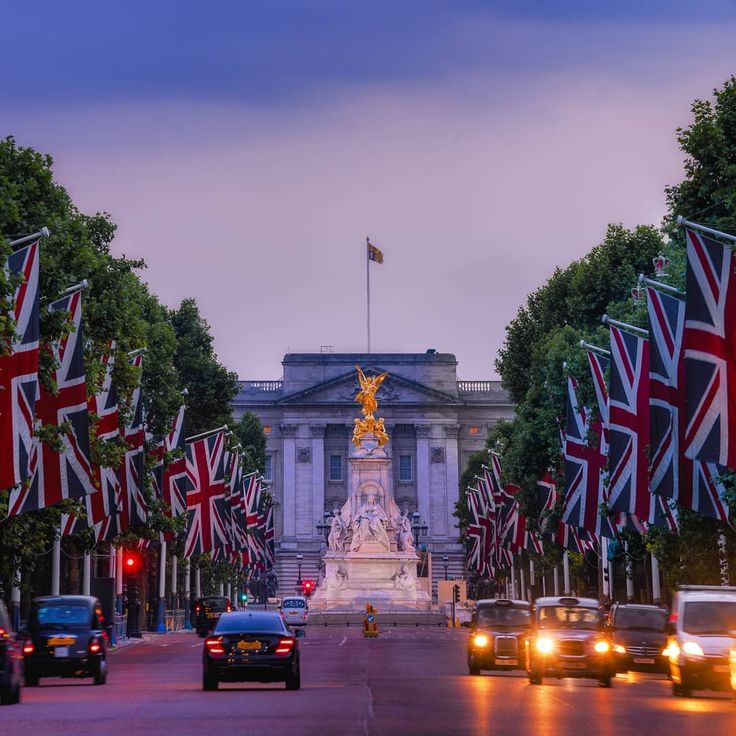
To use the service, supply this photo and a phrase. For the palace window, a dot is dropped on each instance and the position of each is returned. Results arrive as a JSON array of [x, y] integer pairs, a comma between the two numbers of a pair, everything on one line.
[[336, 468], [268, 471], [405, 469]]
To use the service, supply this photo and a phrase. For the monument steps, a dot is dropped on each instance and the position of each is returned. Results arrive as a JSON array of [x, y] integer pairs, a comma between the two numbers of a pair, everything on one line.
[[386, 619]]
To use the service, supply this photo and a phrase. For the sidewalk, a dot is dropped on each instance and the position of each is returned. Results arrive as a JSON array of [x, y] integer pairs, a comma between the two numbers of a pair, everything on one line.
[[146, 636]]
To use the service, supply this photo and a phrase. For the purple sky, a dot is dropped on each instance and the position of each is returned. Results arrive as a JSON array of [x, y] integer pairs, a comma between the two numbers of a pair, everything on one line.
[[246, 154]]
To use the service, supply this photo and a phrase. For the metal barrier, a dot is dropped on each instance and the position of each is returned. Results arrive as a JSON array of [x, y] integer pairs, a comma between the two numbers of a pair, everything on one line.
[[174, 619], [120, 623]]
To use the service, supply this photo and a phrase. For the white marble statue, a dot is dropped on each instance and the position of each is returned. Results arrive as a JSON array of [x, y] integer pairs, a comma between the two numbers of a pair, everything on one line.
[[406, 536], [369, 524], [338, 534], [338, 580], [403, 579]]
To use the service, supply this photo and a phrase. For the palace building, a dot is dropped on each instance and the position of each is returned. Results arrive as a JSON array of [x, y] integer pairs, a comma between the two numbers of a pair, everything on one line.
[[434, 423]]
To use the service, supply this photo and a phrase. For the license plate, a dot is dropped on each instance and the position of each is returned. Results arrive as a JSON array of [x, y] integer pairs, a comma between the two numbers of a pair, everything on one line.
[[55, 641], [721, 669], [573, 665], [61, 652], [644, 660], [211, 615], [506, 660], [246, 645]]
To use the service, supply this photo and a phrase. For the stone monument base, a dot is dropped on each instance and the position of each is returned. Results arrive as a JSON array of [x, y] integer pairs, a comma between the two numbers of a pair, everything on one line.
[[387, 580]]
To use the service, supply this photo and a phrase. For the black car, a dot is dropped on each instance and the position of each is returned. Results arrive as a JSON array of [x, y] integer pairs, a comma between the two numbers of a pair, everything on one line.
[[499, 630], [568, 640], [65, 637], [11, 660], [208, 610], [638, 637], [251, 646]]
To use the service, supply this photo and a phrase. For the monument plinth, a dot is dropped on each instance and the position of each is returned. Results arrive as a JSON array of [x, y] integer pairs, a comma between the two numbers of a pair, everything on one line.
[[371, 556]]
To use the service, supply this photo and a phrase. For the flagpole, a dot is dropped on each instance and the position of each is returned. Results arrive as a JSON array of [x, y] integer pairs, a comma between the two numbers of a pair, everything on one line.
[[42, 233], [368, 291], [703, 229]]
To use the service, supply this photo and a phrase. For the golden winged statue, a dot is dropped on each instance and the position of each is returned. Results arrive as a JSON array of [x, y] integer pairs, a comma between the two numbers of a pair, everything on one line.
[[366, 397]]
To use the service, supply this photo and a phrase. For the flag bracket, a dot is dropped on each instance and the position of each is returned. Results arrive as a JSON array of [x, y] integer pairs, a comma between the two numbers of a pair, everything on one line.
[[77, 287], [624, 326], [206, 434]]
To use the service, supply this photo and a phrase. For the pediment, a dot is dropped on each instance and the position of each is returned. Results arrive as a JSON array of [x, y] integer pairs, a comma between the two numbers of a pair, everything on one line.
[[394, 390]]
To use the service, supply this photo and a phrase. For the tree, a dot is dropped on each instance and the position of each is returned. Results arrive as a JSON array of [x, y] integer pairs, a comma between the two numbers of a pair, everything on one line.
[[252, 438], [211, 386]]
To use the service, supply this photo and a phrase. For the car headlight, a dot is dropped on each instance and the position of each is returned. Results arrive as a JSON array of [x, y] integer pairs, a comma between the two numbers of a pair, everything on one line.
[[545, 645], [601, 647], [481, 641], [619, 649], [692, 648]]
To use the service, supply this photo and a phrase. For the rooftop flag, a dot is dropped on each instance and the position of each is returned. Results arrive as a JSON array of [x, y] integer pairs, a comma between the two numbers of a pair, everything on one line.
[[374, 254]]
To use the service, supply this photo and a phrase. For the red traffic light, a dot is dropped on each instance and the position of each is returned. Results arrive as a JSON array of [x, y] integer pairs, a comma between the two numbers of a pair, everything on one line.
[[308, 587], [131, 562]]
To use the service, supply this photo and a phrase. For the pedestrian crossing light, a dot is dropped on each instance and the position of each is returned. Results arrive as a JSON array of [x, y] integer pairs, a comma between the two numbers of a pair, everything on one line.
[[131, 562], [456, 593], [244, 597]]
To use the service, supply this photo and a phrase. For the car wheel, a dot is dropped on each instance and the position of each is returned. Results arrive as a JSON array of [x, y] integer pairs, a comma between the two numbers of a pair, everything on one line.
[[209, 679], [535, 678], [294, 679], [473, 668], [100, 672], [605, 681]]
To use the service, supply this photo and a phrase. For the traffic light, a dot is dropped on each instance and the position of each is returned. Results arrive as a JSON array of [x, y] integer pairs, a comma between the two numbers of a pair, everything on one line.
[[131, 562], [244, 597], [456, 593], [308, 587]]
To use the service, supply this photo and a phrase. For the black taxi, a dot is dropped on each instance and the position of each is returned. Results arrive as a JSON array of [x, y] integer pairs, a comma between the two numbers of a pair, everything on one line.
[[498, 633], [65, 637]]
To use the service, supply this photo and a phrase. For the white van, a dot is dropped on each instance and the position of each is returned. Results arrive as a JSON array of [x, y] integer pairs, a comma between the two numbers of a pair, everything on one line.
[[295, 610], [701, 632]]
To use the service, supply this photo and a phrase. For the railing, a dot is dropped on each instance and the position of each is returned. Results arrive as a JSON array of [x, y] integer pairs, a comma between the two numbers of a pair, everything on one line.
[[262, 385], [120, 624], [174, 619], [477, 386]]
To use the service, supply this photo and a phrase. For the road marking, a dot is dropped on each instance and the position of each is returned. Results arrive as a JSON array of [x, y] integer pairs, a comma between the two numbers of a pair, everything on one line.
[[344, 639]]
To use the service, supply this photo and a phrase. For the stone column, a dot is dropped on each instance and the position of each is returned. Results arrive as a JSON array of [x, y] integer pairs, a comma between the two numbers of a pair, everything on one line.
[[288, 432], [452, 466], [423, 497], [318, 474]]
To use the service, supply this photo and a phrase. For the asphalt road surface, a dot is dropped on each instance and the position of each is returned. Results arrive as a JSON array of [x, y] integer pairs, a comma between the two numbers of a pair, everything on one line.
[[410, 681]]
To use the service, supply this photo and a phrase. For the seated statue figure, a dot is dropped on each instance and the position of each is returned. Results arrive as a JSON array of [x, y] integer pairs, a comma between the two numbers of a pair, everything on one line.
[[369, 524]]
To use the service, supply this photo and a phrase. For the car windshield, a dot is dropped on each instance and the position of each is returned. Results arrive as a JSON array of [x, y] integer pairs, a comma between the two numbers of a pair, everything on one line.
[[216, 604], [62, 616], [293, 603], [568, 617], [710, 617], [261, 623], [503, 616], [642, 619]]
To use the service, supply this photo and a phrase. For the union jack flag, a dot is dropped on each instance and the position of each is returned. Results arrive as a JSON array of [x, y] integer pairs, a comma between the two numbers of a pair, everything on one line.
[[519, 535], [269, 537], [206, 513], [19, 371], [133, 505], [546, 498], [473, 554], [628, 403], [69, 473], [104, 503], [574, 539], [585, 464], [710, 351], [176, 483], [691, 483], [488, 524], [252, 498]]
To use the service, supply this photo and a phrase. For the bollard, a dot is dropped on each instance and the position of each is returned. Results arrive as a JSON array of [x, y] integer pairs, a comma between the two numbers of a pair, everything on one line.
[[370, 625]]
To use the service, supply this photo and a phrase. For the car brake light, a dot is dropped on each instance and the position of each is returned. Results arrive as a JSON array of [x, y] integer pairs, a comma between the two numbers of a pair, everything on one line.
[[28, 647], [214, 646], [197, 609], [285, 646], [3, 634], [94, 645]]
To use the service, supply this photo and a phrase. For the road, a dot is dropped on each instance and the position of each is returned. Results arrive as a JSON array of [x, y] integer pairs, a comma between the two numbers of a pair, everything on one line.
[[410, 681]]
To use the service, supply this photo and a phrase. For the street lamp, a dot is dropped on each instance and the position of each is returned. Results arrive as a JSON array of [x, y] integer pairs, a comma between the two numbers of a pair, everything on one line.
[[299, 560], [417, 527], [324, 526], [445, 562]]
